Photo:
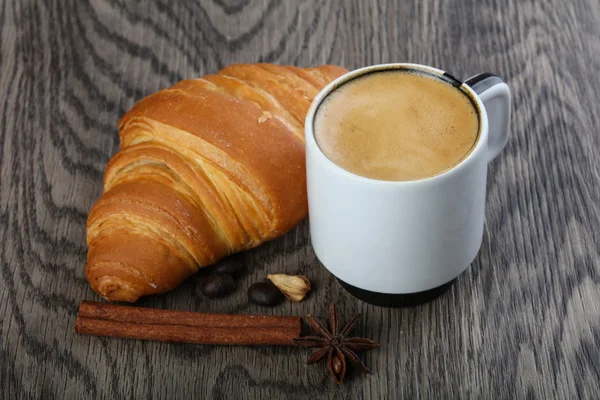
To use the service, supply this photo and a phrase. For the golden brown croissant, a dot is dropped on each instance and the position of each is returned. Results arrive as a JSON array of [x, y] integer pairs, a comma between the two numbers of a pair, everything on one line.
[[206, 168]]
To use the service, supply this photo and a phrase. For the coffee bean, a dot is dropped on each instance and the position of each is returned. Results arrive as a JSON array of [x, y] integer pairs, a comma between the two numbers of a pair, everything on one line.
[[264, 294], [218, 285], [232, 265]]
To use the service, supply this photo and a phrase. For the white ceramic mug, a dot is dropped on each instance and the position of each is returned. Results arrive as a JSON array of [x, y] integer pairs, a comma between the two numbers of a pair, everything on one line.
[[400, 243]]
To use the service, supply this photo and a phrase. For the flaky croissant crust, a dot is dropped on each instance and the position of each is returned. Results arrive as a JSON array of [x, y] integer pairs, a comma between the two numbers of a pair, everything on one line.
[[206, 168]]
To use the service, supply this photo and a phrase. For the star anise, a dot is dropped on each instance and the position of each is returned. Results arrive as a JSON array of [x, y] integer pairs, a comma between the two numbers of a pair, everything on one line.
[[336, 345]]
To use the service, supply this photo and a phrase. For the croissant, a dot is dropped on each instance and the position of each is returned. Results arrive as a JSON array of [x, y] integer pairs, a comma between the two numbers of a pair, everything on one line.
[[206, 168]]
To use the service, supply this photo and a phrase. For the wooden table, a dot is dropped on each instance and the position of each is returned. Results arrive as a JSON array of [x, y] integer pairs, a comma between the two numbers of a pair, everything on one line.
[[522, 322]]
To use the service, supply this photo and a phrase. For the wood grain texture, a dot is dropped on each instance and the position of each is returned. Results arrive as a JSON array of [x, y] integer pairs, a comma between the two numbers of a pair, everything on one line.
[[522, 322]]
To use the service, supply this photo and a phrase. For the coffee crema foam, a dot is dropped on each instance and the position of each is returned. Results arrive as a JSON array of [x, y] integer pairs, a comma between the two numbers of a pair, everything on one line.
[[397, 125]]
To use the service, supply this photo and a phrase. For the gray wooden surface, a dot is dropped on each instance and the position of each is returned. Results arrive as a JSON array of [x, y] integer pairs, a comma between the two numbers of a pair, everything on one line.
[[522, 322]]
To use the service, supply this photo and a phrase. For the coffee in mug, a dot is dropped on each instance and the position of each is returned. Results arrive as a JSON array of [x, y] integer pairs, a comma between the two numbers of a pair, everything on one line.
[[397, 125]]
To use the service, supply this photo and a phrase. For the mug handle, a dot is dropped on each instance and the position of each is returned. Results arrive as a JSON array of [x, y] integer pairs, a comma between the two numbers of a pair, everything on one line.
[[495, 95]]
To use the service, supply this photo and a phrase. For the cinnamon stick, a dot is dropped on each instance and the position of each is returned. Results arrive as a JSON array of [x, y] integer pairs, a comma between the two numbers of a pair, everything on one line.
[[103, 319]]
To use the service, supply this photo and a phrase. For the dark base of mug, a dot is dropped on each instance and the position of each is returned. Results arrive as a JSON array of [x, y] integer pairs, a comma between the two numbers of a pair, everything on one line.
[[396, 300]]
